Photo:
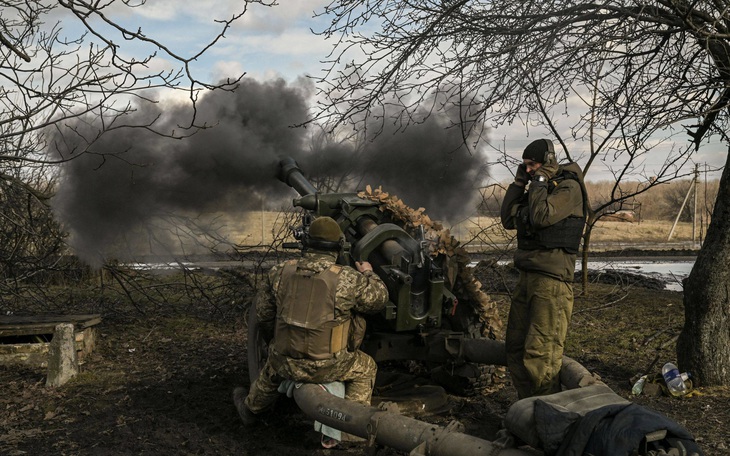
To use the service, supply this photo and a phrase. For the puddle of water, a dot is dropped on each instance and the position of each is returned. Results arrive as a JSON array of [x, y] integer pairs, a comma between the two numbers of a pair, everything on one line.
[[669, 272]]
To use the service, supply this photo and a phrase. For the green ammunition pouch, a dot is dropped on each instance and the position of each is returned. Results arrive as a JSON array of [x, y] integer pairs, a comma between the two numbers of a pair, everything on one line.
[[307, 326]]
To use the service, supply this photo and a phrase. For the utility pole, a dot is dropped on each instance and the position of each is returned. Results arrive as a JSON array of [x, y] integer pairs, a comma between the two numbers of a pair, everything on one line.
[[705, 215], [694, 204], [692, 186]]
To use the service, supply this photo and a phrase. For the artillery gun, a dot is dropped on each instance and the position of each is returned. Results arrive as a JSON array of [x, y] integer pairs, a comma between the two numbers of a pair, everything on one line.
[[430, 319], [428, 316]]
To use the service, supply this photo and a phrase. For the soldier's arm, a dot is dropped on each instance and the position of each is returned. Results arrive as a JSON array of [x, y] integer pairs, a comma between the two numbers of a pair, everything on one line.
[[509, 205], [370, 291], [548, 209], [265, 300]]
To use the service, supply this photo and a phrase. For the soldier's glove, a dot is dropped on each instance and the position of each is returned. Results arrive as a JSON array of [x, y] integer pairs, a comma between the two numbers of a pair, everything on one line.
[[287, 387], [522, 177], [548, 169]]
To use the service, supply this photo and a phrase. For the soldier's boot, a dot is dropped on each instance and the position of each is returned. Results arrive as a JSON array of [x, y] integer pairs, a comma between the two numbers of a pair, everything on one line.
[[247, 416]]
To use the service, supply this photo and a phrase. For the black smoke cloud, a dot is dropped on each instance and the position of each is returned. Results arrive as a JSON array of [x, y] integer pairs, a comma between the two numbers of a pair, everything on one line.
[[132, 175], [427, 165]]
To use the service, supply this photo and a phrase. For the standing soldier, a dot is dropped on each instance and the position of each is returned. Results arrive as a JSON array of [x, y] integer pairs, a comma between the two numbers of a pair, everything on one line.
[[549, 218], [310, 304]]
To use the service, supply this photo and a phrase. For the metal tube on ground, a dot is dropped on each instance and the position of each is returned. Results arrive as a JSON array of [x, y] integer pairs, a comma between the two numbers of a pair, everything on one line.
[[574, 375], [403, 433], [484, 351], [489, 351], [392, 430]]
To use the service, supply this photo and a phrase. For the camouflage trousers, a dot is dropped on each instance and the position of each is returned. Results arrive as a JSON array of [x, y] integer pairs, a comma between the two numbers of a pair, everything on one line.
[[537, 325], [356, 370]]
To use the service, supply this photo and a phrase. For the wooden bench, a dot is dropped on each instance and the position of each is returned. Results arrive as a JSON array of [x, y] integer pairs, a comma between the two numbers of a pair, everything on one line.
[[56, 342]]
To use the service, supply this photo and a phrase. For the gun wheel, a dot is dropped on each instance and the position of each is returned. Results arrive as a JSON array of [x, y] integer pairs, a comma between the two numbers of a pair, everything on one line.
[[258, 347]]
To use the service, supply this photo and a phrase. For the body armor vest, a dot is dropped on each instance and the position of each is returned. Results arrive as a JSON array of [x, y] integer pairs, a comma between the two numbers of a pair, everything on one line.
[[306, 321], [565, 234]]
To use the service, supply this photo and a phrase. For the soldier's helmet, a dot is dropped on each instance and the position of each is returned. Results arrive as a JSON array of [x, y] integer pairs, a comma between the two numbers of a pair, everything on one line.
[[325, 234]]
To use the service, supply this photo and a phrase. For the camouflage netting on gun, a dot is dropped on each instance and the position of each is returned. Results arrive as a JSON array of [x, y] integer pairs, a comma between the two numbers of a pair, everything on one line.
[[458, 275]]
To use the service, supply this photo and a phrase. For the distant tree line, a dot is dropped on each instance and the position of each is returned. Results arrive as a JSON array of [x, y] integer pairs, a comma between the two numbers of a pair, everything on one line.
[[659, 203]]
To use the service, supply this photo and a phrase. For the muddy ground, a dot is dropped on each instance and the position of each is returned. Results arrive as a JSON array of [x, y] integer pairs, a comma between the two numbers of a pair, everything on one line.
[[160, 379]]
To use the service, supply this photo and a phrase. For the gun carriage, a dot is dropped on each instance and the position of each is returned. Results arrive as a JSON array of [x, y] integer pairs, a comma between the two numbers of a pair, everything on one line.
[[428, 315]]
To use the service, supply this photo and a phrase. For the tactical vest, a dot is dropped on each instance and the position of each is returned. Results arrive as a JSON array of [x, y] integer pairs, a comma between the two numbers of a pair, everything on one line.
[[306, 321], [565, 234]]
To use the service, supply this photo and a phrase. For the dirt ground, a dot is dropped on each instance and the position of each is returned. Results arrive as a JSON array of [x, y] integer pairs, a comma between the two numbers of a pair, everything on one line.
[[160, 382]]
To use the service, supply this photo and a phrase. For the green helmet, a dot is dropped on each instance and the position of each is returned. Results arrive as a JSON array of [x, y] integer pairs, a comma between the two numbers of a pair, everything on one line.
[[325, 229]]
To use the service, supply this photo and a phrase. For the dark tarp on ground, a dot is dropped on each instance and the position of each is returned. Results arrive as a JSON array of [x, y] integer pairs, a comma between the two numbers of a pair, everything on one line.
[[611, 430]]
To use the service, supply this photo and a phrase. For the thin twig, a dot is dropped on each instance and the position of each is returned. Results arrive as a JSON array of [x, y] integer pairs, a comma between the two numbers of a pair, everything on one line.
[[654, 336], [670, 341], [609, 304], [148, 334], [651, 365]]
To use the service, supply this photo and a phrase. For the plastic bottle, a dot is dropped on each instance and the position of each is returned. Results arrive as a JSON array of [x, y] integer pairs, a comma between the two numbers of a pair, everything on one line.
[[674, 380], [638, 386], [685, 376]]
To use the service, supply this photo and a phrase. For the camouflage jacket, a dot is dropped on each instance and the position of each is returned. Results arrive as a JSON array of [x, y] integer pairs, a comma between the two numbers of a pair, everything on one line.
[[356, 292], [568, 199]]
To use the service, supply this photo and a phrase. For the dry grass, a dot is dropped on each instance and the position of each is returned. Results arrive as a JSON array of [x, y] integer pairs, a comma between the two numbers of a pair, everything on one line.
[[646, 231], [261, 228], [604, 231], [255, 228]]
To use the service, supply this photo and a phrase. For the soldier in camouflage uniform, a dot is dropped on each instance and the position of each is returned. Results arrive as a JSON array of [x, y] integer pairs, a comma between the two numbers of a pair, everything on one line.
[[549, 218], [311, 303]]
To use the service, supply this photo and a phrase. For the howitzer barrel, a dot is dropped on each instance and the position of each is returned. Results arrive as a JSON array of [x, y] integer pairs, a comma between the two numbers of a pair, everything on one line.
[[291, 175], [414, 279]]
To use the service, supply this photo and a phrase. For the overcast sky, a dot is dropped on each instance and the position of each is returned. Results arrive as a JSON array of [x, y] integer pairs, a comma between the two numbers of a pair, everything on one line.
[[277, 42], [234, 169], [266, 42]]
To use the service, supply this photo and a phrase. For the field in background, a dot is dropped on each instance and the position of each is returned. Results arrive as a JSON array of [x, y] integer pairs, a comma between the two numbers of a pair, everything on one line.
[[646, 225], [478, 233]]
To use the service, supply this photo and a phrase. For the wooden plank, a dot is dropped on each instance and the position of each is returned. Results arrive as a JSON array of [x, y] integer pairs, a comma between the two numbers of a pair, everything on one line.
[[27, 354], [36, 353], [23, 325]]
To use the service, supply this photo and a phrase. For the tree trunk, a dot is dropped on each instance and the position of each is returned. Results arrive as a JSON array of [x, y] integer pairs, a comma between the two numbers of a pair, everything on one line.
[[703, 347]]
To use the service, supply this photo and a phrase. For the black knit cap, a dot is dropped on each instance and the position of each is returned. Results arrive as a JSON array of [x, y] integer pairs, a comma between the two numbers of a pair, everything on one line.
[[537, 150]]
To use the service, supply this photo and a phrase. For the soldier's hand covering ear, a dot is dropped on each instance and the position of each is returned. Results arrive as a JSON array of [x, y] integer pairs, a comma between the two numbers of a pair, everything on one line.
[[549, 168], [522, 177]]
